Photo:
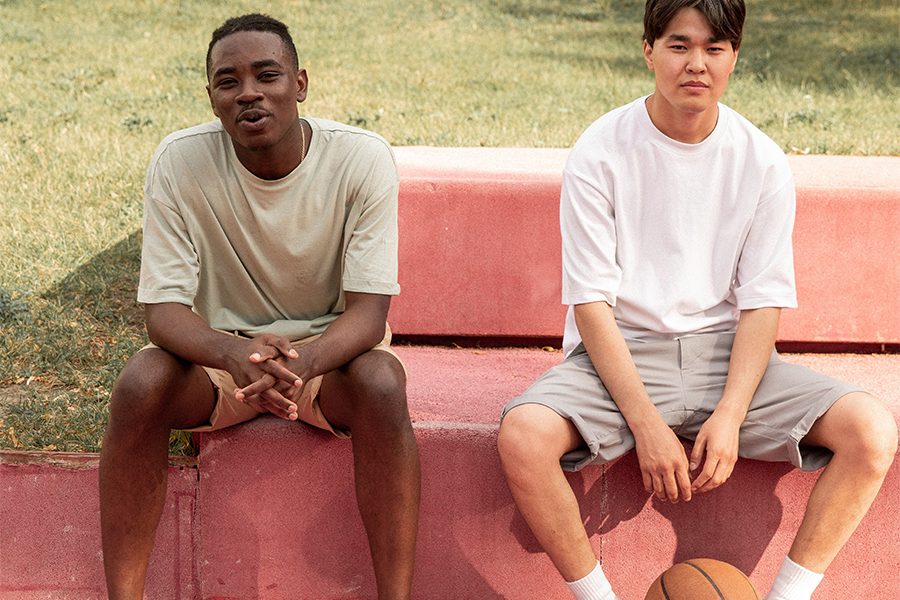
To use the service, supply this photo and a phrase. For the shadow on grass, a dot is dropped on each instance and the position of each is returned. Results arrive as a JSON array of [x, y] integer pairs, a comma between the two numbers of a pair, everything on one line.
[[831, 44], [102, 324], [104, 288], [63, 357], [828, 43], [77, 333]]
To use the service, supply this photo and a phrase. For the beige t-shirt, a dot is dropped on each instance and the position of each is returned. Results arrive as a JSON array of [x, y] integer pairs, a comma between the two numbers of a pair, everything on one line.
[[257, 256]]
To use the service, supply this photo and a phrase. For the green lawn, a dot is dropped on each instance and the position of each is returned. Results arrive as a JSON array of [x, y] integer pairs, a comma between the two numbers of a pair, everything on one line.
[[89, 89]]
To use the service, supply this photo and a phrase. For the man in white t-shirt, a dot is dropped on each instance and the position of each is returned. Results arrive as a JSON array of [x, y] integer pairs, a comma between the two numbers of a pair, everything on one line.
[[267, 270], [676, 218]]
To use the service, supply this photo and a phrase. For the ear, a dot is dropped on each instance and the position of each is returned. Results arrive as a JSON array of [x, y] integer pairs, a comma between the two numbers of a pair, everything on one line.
[[648, 54], [211, 102], [733, 62], [302, 85]]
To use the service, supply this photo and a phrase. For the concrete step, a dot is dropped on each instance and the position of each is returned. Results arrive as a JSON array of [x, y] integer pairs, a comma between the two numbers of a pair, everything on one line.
[[494, 210], [269, 512]]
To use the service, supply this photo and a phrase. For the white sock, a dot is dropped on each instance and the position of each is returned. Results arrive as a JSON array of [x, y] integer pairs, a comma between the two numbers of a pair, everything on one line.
[[793, 582], [593, 587]]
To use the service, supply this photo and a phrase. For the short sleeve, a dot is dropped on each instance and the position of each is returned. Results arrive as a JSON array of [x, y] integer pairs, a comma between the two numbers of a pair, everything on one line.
[[765, 273], [169, 262], [370, 261], [588, 230]]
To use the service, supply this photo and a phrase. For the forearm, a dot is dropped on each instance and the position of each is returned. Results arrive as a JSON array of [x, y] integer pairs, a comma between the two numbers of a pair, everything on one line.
[[719, 438], [753, 344], [180, 331], [358, 329], [664, 465]]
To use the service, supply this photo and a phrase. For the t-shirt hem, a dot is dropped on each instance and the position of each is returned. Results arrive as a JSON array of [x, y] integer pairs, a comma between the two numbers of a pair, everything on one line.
[[146, 296], [587, 298], [372, 287], [755, 302]]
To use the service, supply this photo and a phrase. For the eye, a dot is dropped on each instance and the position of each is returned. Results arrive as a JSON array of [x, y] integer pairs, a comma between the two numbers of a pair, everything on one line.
[[268, 76], [225, 83]]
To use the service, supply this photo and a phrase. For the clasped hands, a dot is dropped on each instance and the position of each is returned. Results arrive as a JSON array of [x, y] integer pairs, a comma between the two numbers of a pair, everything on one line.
[[268, 376]]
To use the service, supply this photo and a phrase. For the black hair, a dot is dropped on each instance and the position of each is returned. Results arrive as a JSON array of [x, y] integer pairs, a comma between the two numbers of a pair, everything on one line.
[[725, 17], [254, 22]]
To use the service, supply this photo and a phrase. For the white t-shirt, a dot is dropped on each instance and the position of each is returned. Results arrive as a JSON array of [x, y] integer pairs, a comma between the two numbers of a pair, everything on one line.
[[258, 256], [678, 238]]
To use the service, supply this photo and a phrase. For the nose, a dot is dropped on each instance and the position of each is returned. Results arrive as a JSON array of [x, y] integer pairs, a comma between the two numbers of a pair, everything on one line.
[[248, 94], [696, 62]]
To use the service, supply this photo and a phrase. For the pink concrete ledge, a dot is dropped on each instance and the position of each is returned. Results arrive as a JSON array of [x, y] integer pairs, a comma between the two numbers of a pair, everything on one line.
[[473, 544], [50, 530], [268, 512], [480, 247]]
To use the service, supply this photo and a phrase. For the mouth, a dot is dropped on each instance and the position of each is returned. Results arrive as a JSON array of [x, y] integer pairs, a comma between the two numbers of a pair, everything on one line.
[[253, 119], [694, 85]]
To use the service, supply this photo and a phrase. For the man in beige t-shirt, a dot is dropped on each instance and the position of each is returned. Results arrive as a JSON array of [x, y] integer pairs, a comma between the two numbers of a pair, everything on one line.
[[269, 262]]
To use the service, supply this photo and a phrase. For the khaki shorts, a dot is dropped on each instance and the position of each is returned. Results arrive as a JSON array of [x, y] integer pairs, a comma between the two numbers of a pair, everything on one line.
[[685, 379], [231, 411]]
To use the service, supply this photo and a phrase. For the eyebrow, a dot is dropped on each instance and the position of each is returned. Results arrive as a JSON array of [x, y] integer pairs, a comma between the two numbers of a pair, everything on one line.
[[259, 64], [679, 37]]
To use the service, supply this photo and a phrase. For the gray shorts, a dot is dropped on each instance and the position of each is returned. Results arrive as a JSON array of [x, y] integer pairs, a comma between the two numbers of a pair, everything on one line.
[[685, 379]]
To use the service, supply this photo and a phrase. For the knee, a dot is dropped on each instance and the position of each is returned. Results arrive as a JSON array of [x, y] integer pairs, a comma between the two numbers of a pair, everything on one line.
[[883, 444], [526, 439], [511, 439], [378, 388], [140, 392], [872, 436]]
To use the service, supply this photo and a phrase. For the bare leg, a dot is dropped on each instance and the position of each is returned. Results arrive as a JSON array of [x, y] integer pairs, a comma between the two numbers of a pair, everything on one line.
[[532, 439], [154, 393], [368, 397], [862, 433]]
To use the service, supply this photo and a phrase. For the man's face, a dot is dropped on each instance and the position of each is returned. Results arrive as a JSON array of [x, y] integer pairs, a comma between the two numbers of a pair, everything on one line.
[[254, 90], [691, 66]]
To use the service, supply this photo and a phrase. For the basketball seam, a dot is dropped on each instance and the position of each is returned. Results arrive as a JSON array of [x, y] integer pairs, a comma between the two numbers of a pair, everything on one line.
[[662, 584], [708, 578]]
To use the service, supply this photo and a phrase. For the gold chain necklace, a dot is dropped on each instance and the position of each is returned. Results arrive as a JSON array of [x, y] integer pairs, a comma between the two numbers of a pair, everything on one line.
[[302, 141]]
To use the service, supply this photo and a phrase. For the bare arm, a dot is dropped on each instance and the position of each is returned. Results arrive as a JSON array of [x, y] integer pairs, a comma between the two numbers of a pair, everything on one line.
[[664, 465], [179, 330], [718, 438]]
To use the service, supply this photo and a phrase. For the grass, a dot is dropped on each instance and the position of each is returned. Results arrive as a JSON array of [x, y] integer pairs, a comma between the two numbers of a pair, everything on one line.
[[89, 89]]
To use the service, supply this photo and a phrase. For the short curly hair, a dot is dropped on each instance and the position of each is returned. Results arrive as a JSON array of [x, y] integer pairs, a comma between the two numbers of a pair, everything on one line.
[[254, 22], [725, 17]]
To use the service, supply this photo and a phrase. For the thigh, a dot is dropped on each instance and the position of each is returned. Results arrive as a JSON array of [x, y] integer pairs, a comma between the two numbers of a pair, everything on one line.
[[160, 386], [573, 390], [227, 410], [788, 402], [856, 422], [530, 430], [371, 386]]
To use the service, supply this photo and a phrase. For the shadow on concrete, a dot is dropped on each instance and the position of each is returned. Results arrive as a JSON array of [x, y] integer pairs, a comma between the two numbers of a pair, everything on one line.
[[448, 531], [726, 524]]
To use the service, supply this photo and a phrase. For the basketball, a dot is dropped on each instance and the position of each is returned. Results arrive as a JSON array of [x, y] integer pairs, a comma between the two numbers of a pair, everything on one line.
[[702, 579]]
